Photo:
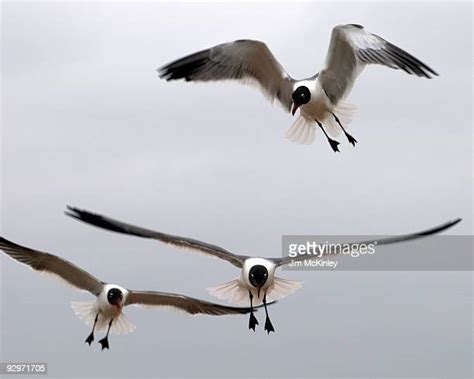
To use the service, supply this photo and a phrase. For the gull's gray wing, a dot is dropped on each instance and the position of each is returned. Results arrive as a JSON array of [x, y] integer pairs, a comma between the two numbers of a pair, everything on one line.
[[243, 60], [382, 241], [51, 264], [351, 48], [182, 303], [188, 243]]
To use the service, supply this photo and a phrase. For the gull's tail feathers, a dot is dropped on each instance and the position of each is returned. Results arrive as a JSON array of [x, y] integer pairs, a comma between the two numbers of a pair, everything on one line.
[[302, 131], [122, 325], [304, 128], [282, 288], [234, 291], [87, 312], [345, 113]]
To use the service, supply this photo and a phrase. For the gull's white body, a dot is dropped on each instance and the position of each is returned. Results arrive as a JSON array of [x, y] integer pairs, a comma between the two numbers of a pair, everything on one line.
[[319, 105], [88, 310], [318, 108], [237, 291]]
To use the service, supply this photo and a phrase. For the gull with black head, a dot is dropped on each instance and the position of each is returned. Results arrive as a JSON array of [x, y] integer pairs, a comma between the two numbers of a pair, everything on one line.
[[257, 282], [106, 311], [319, 97]]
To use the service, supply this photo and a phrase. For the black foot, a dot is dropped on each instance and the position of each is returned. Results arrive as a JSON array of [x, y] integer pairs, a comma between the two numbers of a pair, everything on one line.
[[269, 326], [90, 338], [252, 322], [105, 343], [334, 144], [351, 139]]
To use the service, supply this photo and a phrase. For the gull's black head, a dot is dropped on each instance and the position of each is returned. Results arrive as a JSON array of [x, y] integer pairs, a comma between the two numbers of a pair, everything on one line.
[[300, 96], [115, 296], [258, 275]]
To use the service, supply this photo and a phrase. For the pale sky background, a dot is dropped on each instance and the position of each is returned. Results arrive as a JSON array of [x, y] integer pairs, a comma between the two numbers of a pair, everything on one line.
[[87, 122]]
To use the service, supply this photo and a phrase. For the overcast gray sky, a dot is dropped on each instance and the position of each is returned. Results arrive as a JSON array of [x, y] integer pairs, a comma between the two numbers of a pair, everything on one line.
[[87, 122]]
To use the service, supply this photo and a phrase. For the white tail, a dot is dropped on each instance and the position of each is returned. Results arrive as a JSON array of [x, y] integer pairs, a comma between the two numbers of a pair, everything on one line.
[[304, 128], [87, 312], [344, 112], [302, 131], [282, 288], [235, 291]]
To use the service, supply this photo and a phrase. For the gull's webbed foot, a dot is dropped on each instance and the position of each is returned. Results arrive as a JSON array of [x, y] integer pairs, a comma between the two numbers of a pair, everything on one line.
[[269, 326], [252, 321], [104, 343], [90, 339]]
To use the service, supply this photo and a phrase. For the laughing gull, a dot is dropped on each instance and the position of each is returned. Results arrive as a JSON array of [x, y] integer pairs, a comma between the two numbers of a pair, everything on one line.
[[257, 274], [320, 97], [105, 312]]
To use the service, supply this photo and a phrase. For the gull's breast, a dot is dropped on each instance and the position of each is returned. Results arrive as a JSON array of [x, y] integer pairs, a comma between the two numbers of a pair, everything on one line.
[[319, 106]]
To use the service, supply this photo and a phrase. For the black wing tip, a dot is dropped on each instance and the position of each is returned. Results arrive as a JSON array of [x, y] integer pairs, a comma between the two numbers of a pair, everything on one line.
[[73, 211], [7, 244], [97, 220], [78, 211], [81, 214], [450, 224], [164, 73], [409, 63], [4, 241], [441, 228], [169, 74], [185, 67], [428, 72], [433, 72]]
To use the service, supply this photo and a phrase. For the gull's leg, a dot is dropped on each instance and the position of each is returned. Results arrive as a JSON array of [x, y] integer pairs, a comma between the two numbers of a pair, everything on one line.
[[91, 336], [351, 139], [253, 320], [268, 324], [105, 341], [331, 141]]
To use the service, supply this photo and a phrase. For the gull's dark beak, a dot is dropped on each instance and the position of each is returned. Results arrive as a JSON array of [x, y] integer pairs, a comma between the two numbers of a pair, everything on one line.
[[258, 292], [118, 302], [294, 109]]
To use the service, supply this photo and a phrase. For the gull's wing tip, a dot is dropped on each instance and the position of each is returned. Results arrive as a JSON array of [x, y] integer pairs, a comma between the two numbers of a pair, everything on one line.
[[455, 221], [163, 72], [71, 214], [448, 225], [77, 213], [72, 211]]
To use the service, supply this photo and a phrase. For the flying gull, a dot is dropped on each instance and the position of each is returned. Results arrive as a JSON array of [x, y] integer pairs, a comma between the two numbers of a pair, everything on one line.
[[257, 274], [319, 97], [106, 311]]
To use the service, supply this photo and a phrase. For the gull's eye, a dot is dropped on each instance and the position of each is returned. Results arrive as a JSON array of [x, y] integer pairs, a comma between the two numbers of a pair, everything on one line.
[[252, 275]]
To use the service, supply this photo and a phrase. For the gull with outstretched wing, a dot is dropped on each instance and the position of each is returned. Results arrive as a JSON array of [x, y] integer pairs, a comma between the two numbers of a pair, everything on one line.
[[105, 312], [257, 274], [320, 98]]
